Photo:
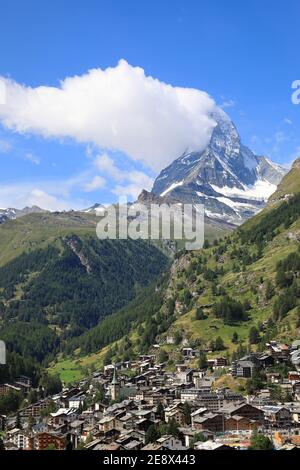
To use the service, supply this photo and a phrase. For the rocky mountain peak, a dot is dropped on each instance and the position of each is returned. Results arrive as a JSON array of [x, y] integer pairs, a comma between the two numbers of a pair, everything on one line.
[[227, 177]]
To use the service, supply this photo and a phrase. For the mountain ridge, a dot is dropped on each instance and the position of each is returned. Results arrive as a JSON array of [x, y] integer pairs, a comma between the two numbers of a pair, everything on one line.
[[227, 177], [11, 213], [289, 185]]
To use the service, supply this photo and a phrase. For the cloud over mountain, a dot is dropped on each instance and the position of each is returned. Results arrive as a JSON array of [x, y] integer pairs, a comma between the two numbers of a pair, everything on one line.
[[119, 108]]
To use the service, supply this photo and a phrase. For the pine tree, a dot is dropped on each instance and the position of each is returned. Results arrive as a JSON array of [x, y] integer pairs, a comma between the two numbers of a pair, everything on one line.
[[160, 411], [235, 338], [219, 344], [200, 314], [202, 364], [152, 434], [269, 290], [187, 413], [254, 337], [173, 428]]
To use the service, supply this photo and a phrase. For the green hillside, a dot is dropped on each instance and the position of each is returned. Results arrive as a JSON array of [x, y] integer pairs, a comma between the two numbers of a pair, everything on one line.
[[41, 230], [233, 295], [290, 183]]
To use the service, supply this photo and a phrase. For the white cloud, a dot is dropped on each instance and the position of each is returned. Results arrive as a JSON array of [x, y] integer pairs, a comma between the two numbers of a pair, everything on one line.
[[140, 179], [47, 194], [134, 181], [97, 182], [21, 195], [130, 190], [32, 158], [106, 164], [288, 121], [278, 139], [5, 146], [227, 104], [117, 108], [38, 197]]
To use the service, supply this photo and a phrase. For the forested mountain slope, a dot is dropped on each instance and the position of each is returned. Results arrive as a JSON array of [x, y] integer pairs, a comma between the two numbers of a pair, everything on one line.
[[57, 280]]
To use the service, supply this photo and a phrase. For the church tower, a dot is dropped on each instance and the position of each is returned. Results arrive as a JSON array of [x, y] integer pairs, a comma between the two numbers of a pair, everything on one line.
[[115, 387]]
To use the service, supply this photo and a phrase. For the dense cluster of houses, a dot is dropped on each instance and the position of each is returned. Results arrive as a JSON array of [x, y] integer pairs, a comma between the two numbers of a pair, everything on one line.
[[183, 409]]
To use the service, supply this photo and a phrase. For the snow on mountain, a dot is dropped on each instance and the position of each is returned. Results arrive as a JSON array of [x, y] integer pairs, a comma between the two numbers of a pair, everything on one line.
[[11, 213], [173, 186], [96, 209], [228, 178]]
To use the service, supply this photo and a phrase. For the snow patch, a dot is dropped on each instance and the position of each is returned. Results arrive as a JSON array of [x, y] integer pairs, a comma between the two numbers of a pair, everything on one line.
[[173, 186], [235, 205], [260, 191]]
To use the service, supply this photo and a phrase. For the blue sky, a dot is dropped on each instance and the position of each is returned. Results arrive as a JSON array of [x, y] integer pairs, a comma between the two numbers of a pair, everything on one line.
[[244, 56]]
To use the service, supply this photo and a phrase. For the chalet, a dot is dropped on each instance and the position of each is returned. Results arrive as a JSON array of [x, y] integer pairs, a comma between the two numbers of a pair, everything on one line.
[[294, 376], [198, 377], [280, 352], [188, 352], [242, 369], [34, 409], [24, 387], [142, 424], [89, 431], [175, 412], [218, 362], [295, 358], [185, 376], [62, 415], [7, 387], [266, 360], [138, 435], [170, 443], [77, 426], [278, 416], [133, 445], [144, 414], [213, 422], [107, 423], [45, 440], [25, 380], [76, 401], [274, 377], [240, 423], [244, 410], [125, 422], [111, 435], [19, 438]]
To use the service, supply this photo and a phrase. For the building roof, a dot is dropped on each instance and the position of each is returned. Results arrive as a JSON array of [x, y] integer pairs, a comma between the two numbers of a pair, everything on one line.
[[132, 444], [63, 411], [209, 445]]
